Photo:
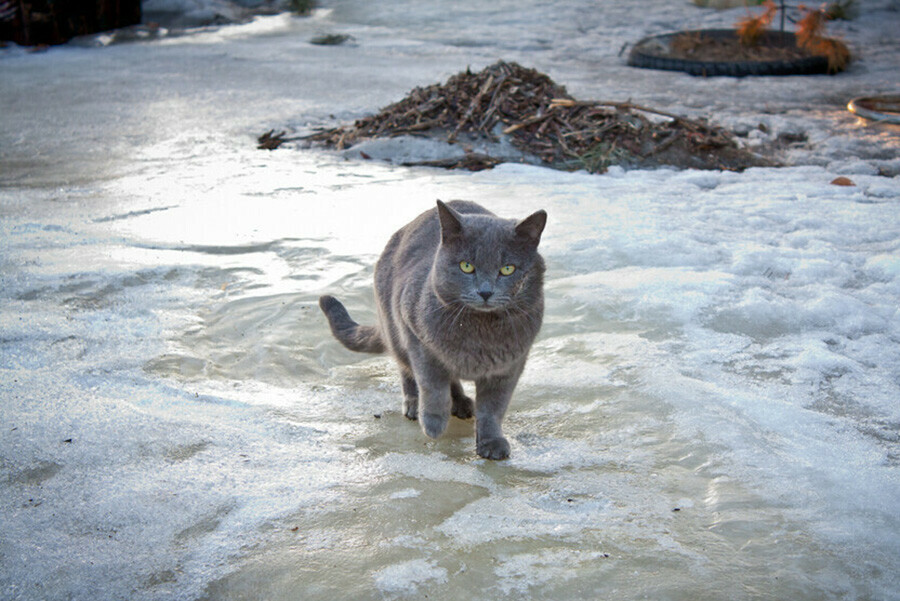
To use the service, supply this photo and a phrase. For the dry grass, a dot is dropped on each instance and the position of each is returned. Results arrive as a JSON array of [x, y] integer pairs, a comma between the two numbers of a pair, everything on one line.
[[751, 28], [810, 36]]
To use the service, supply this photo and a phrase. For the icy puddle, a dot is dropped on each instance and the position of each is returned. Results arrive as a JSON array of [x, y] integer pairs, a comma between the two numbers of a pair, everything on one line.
[[668, 437]]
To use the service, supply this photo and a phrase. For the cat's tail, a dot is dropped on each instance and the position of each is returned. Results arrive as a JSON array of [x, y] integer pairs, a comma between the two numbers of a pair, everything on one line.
[[363, 339]]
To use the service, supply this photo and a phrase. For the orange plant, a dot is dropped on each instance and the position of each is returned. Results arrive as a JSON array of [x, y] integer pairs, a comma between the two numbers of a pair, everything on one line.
[[751, 27], [811, 26], [810, 30], [810, 33]]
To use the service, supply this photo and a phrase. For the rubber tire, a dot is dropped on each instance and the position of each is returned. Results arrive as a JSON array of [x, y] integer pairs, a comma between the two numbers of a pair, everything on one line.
[[811, 65]]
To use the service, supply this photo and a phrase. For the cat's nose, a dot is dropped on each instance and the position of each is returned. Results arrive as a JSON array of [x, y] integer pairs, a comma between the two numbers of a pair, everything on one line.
[[485, 294]]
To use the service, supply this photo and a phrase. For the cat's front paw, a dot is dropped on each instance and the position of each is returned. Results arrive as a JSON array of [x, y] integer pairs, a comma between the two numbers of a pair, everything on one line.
[[434, 424], [496, 448]]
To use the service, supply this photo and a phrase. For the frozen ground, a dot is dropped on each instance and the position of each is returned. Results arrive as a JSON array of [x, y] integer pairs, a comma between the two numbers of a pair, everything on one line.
[[711, 411]]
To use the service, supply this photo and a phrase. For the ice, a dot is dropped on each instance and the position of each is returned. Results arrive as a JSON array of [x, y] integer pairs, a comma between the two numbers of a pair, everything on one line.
[[710, 411], [409, 576], [518, 573], [406, 494], [512, 517]]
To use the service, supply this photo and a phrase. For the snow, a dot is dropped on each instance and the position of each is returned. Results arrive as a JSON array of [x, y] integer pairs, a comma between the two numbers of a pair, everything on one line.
[[710, 411], [408, 576]]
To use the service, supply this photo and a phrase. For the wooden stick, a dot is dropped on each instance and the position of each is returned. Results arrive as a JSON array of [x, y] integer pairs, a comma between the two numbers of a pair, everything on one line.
[[527, 122], [565, 102], [492, 106], [472, 106]]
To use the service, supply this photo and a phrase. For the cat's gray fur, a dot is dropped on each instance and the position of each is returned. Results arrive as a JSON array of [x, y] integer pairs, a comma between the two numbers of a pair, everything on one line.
[[443, 325]]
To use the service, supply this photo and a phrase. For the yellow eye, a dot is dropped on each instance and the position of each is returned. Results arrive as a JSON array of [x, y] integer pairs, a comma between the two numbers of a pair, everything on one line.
[[467, 267], [507, 269]]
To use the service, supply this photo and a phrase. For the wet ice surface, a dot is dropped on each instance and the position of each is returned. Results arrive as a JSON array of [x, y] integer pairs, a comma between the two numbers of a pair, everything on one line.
[[710, 411]]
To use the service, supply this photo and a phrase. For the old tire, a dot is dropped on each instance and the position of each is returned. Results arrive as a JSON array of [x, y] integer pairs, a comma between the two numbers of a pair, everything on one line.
[[651, 53]]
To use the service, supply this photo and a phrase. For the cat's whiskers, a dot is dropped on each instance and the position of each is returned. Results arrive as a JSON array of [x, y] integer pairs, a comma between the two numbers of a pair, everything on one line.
[[450, 312], [519, 312], [445, 306], [511, 319], [458, 313], [530, 318]]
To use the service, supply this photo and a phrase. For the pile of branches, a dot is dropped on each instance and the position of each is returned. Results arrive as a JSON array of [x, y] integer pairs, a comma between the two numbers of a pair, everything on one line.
[[543, 120]]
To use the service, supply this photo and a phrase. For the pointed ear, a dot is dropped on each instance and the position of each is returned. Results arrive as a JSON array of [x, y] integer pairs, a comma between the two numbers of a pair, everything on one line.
[[531, 227], [451, 227]]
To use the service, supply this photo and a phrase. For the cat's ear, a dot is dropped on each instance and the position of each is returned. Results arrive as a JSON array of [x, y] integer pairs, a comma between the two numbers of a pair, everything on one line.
[[530, 228], [451, 227]]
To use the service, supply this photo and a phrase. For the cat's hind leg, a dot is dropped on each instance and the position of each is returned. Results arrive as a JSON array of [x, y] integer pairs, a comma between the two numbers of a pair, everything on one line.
[[410, 395], [463, 407]]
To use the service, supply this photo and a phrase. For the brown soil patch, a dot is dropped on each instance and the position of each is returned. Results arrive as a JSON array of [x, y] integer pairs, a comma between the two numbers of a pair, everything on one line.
[[698, 47]]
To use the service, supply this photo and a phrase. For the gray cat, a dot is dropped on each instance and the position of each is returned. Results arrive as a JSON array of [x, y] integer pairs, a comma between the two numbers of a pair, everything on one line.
[[460, 297]]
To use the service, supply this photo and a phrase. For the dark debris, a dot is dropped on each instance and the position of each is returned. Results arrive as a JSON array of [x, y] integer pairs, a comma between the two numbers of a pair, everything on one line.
[[270, 140], [543, 120]]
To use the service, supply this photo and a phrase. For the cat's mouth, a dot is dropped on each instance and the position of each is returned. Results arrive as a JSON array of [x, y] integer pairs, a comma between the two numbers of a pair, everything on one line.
[[484, 306]]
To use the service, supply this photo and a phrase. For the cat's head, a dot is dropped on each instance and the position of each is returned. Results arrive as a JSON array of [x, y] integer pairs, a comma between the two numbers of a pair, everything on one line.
[[487, 263]]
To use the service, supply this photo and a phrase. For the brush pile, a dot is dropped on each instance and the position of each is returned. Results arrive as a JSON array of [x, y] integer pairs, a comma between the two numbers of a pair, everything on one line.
[[542, 120]]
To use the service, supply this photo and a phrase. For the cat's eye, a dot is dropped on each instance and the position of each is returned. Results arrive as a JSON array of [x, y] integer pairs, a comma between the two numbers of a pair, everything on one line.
[[466, 267], [507, 269]]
